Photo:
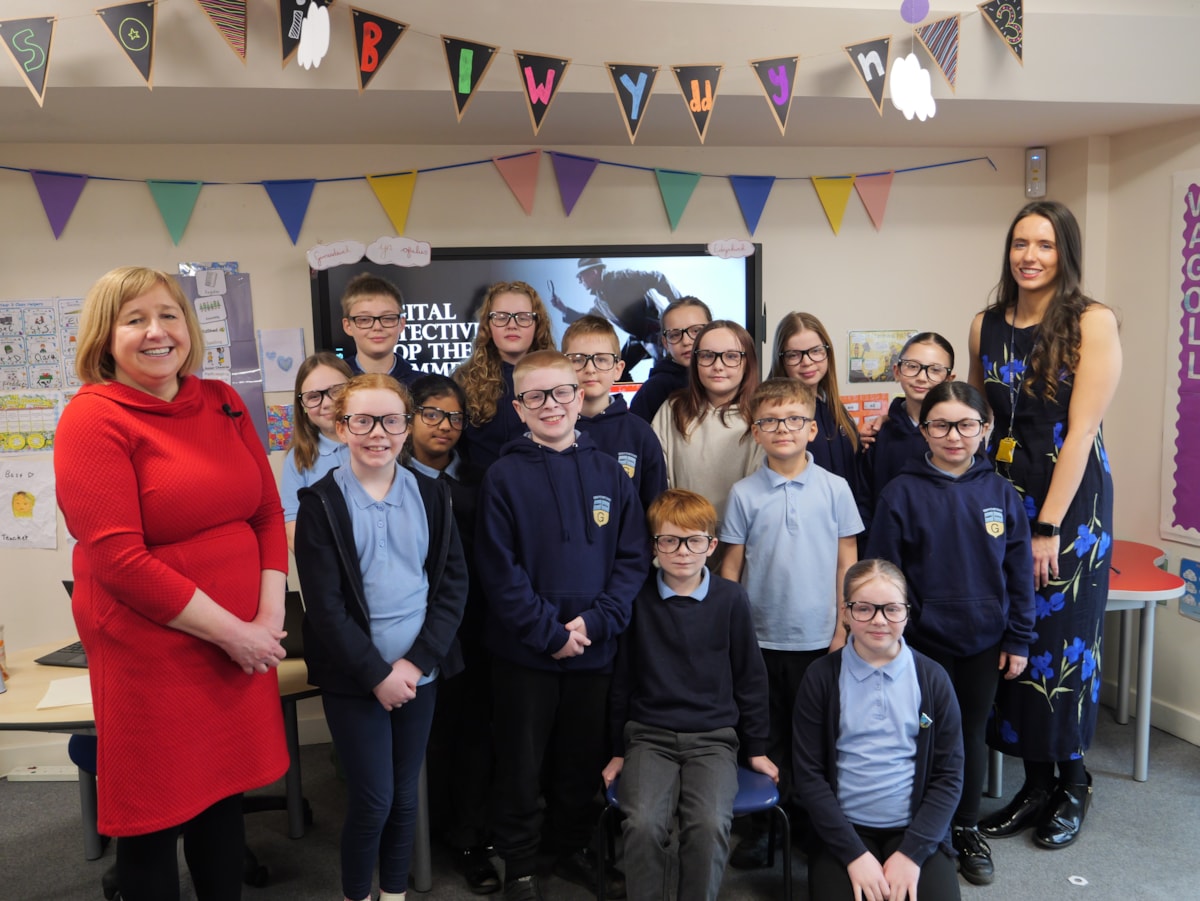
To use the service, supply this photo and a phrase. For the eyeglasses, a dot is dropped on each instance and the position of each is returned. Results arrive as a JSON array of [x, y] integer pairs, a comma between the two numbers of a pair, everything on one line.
[[675, 335], [933, 371], [364, 423], [816, 354], [602, 362], [772, 424], [669, 544], [387, 320], [940, 428], [730, 358], [524, 320], [535, 400], [434, 415], [863, 612], [314, 399]]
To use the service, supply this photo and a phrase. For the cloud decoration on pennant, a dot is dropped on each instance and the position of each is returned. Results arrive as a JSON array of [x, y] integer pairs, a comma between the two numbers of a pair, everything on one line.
[[338, 253], [912, 90], [314, 36], [399, 251]]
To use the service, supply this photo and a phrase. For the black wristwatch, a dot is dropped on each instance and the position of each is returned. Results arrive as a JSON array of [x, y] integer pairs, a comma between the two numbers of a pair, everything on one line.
[[1045, 530]]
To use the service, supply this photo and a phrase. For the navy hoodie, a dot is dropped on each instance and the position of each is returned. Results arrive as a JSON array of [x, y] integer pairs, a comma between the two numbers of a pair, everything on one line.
[[833, 450], [897, 442], [559, 535], [666, 377], [481, 444], [963, 545], [633, 444]]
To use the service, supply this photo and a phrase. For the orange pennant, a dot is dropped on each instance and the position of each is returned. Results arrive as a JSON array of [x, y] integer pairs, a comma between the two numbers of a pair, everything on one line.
[[520, 173]]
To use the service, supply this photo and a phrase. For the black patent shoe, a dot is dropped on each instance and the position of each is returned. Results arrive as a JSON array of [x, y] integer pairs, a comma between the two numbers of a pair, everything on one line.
[[477, 868], [1027, 809], [1065, 816], [580, 867], [974, 855]]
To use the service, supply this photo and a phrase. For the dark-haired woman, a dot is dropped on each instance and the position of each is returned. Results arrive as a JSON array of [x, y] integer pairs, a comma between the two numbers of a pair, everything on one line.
[[1049, 359]]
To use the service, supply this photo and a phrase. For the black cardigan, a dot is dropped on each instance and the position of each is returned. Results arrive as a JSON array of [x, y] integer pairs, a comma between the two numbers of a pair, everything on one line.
[[338, 649]]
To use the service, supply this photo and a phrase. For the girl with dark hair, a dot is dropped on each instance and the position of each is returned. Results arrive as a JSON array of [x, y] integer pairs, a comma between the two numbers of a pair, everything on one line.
[[1049, 359], [682, 321], [959, 533]]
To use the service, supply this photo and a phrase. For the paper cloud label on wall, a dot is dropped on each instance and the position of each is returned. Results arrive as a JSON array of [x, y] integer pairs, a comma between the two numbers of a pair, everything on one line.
[[399, 252], [326, 256], [731, 248]]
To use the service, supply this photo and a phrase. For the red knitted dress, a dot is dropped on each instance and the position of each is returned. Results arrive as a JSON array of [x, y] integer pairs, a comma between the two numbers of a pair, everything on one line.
[[165, 497]]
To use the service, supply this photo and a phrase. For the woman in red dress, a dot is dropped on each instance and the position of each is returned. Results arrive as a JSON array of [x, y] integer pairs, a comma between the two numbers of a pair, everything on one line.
[[180, 571]]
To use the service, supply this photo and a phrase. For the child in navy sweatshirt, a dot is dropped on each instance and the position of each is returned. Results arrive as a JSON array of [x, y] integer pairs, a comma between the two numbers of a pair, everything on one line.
[[682, 321], [562, 547], [960, 533]]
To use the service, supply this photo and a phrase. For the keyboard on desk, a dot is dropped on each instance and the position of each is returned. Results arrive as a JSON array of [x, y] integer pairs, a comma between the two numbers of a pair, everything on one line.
[[71, 655]]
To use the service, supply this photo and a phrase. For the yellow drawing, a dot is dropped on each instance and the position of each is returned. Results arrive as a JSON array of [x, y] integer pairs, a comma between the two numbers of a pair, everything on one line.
[[22, 505]]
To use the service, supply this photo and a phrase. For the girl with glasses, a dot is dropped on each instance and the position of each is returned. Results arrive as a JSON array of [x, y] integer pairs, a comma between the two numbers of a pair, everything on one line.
[[960, 533], [682, 321]]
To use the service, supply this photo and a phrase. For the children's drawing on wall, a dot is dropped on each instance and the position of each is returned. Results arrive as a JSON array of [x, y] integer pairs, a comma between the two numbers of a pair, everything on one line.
[[872, 353], [279, 427], [28, 421], [282, 350], [27, 517]]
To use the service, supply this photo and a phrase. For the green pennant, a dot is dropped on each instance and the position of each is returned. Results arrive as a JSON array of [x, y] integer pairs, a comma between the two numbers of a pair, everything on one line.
[[676, 189], [176, 200]]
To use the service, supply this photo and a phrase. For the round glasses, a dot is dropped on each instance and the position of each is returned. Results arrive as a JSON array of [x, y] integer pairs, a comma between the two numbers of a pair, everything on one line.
[[794, 357], [602, 362], [793, 423], [387, 320], [364, 423], [730, 358], [862, 612], [940, 428], [433, 416], [523, 320], [313, 399], [675, 335], [535, 400], [933, 371], [669, 544]]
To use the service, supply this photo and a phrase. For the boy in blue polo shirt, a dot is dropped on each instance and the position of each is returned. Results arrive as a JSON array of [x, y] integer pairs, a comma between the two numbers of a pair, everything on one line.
[[790, 532]]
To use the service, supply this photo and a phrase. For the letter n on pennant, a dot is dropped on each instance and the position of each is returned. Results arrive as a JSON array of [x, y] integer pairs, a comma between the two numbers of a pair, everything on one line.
[[870, 61]]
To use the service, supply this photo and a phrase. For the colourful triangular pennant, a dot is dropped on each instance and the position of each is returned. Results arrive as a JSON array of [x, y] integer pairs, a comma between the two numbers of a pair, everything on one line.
[[572, 173], [132, 25], [676, 189], [28, 43], [698, 84], [834, 194], [467, 62], [395, 193], [59, 192], [1007, 19], [541, 77], [752, 192], [294, 19], [940, 39], [873, 191], [176, 200], [229, 18], [632, 84], [777, 77], [870, 61], [520, 173], [291, 198], [375, 37]]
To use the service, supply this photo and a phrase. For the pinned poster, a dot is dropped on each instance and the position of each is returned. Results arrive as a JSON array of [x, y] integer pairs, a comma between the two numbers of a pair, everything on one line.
[[1007, 19], [175, 200], [28, 43], [132, 25], [632, 84], [229, 18], [777, 78], [752, 192], [395, 193], [870, 61], [59, 192], [676, 189], [467, 63], [304, 30], [572, 173], [520, 173], [698, 84], [873, 191], [290, 198], [375, 37], [541, 77], [940, 40], [834, 194]]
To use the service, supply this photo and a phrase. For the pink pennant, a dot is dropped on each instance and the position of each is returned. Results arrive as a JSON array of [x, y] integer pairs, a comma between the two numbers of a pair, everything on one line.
[[873, 191], [520, 173]]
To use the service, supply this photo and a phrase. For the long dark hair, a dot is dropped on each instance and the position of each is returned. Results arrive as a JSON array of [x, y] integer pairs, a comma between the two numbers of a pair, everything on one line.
[[790, 325], [962, 392], [690, 405], [930, 338]]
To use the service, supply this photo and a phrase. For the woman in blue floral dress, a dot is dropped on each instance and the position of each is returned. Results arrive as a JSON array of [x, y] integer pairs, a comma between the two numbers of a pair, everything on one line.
[[1049, 359]]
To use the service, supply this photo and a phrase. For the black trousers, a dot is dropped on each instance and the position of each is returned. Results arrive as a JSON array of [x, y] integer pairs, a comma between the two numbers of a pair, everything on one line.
[[828, 880]]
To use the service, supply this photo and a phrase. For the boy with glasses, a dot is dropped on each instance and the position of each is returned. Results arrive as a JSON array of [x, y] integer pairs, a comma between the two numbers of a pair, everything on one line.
[[790, 532], [682, 321], [591, 344], [561, 546], [373, 317]]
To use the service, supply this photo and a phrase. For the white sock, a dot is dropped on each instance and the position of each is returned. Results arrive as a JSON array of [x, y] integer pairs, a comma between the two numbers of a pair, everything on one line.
[[391, 896]]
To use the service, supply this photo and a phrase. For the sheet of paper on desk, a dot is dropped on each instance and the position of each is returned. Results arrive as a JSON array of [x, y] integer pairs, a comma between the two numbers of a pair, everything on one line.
[[67, 693]]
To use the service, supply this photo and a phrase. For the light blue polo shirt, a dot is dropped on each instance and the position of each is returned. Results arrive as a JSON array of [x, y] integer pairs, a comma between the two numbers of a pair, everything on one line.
[[665, 591], [451, 469], [877, 738], [391, 538], [330, 455], [790, 529]]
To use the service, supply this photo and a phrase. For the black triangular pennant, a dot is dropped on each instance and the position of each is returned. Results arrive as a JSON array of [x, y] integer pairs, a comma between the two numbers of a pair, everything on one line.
[[132, 24], [467, 63], [1007, 17], [541, 77], [28, 42], [777, 77], [291, 23], [698, 84], [375, 37], [633, 84], [870, 61]]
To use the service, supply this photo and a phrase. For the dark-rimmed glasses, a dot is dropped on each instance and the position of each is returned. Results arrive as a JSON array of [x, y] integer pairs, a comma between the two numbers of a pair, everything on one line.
[[675, 335], [940, 428], [794, 357], [730, 358], [669, 544], [793, 423], [602, 362], [935, 372], [316, 397], [501, 319], [364, 423], [433, 416], [387, 320], [536, 399], [862, 612]]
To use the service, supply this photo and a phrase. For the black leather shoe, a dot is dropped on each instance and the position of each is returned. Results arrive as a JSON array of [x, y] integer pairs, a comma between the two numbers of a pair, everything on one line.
[[1065, 817], [1027, 809], [477, 868], [580, 868], [523, 889], [974, 855]]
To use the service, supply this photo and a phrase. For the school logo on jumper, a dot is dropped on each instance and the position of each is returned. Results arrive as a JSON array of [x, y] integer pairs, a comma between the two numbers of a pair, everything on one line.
[[993, 521], [628, 463], [601, 506]]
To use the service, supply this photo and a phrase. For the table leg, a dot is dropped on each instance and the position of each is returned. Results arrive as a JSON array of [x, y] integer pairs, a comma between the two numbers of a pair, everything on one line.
[[1125, 651], [995, 780], [295, 792], [1141, 747]]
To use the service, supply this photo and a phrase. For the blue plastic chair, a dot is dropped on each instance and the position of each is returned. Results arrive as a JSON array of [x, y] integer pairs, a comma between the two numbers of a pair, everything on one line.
[[756, 793]]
